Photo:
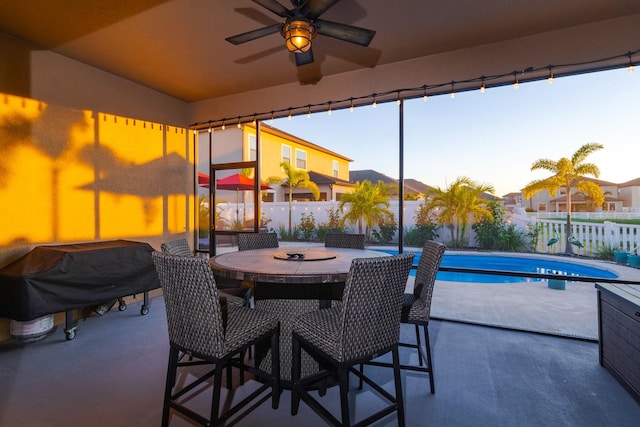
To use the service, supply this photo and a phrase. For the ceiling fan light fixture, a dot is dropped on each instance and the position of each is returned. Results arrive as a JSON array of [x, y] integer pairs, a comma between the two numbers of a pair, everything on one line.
[[298, 34]]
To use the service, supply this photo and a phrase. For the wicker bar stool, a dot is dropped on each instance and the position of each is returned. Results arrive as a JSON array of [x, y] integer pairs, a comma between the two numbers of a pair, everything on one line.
[[249, 241], [416, 308], [343, 336], [200, 326], [343, 240], [234, 295]]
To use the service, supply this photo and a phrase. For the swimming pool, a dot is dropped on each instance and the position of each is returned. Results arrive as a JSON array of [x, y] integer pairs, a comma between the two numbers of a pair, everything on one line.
[[522, 264]]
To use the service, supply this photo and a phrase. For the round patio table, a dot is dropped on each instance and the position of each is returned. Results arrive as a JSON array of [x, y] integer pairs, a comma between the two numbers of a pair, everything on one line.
[[290, 281]]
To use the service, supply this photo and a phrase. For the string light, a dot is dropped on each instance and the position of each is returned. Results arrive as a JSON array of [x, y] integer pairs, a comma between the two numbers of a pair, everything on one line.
[[439, 89], [289, 116], [222, 124], [254, 120], [239, 125], [398, 98]]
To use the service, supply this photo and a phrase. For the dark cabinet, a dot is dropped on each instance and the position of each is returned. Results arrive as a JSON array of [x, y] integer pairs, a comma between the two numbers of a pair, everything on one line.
[[619, 333]]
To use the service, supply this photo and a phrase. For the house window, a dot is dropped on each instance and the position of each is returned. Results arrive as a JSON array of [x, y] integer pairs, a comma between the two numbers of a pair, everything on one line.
[[335, 168], [252, 147], [301, 159], [542, 207], [286, 154]]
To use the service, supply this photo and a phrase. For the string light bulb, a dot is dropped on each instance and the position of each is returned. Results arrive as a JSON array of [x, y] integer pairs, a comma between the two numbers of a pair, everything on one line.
[[289, 116], [630, 63], [424, 96], [329, 110], [398, 98], [453, 91], [254, 120], [239, 125], [516, 83], [222, 127], [482, 86], [309, 112], [271, 116], [550, 78], [375, 103], [351, 106]]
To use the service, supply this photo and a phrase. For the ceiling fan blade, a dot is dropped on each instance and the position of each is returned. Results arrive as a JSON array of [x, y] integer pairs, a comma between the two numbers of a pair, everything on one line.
[[345, 32], [274, 7], [304, 58], [314, 8], [254, 34]]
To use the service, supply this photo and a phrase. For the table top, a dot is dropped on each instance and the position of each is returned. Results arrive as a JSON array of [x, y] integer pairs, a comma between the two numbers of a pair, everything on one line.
[[318, 265]]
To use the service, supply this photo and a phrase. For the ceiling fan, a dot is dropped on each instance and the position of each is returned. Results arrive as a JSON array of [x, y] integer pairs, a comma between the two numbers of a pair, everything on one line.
[[302, 25]]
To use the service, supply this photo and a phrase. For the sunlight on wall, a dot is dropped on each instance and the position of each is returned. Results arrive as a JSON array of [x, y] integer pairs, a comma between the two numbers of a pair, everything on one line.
[[69, 175]]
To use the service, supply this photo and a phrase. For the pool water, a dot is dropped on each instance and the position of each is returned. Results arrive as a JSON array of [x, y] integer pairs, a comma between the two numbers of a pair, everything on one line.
[[508, 263]]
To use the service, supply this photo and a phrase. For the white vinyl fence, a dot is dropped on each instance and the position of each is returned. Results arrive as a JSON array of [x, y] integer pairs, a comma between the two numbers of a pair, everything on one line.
[[592, 237]]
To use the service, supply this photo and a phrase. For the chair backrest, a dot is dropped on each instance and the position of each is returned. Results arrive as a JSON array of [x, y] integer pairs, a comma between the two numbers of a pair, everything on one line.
[[249, 241], [342, 240], [371, 305], [177, 247], [194, 314], [430, 259]]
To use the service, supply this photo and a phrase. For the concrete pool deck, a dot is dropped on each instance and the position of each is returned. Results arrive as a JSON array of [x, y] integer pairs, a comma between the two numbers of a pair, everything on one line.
[[527, 306]]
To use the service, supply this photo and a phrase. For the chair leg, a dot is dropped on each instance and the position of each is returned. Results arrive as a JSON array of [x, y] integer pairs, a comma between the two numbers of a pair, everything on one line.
[[229, 374], [418, 344], [427, 344], [360, 382], [343, 378], [215, 400], [296, 354], [275, 369], [398, 382], [172, 369]]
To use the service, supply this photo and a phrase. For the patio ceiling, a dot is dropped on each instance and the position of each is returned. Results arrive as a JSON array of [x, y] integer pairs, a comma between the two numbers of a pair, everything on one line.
[[177, 47]]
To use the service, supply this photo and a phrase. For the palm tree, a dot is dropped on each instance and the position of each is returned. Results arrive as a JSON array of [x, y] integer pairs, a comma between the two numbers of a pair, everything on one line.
[[568, 173], [456, 203], [368, 203], [294, 178]]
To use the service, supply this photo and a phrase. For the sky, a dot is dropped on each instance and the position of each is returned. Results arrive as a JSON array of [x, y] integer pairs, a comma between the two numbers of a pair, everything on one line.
[[492, 137]]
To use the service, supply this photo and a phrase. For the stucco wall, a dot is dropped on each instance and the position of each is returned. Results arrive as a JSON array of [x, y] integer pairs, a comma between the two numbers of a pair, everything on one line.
[[86, 155]]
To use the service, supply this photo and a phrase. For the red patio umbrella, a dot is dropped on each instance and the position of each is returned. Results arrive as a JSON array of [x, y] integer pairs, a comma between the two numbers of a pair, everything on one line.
[[237, 182], [203, 180]]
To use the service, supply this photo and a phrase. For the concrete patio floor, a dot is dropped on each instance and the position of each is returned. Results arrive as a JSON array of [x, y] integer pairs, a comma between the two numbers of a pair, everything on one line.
[[113, 374]]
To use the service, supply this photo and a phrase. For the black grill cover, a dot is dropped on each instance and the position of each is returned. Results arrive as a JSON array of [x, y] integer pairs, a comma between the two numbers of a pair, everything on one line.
[[51, 279]]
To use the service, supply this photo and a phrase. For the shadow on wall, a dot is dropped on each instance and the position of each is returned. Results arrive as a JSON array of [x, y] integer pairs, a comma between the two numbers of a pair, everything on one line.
[[69, 175]]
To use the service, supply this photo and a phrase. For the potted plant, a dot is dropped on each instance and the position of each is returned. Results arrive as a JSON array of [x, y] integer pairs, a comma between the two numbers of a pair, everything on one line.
[[620, 256], [557, 284], [634, 258]]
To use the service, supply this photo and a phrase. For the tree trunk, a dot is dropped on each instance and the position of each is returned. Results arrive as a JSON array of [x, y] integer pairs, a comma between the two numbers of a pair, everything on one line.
[[290, 207], [568, 249]]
